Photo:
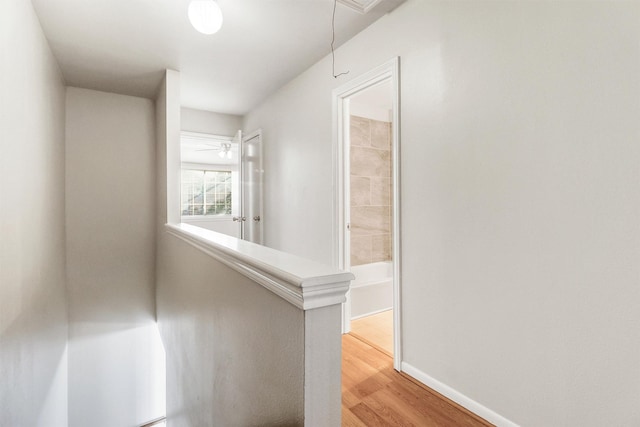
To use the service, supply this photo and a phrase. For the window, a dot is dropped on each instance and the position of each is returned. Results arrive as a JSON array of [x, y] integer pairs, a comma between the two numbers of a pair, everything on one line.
[[206, 192]]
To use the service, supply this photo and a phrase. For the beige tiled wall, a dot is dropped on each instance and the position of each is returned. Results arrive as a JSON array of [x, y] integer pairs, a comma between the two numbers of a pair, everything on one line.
[[370, 191]]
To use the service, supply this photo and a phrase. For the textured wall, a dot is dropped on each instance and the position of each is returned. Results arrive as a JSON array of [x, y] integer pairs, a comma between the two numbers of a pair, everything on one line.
[[33, 307], [370, 158]]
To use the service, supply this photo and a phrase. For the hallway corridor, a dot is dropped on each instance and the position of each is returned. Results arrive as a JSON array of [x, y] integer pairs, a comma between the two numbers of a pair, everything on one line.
[[374, 394]]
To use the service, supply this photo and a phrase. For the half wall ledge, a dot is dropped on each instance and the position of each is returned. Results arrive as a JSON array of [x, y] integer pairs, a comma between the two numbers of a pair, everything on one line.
[[304, 283]]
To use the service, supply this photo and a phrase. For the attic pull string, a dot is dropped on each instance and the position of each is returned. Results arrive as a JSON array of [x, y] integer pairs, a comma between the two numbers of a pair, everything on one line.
[[333, 39]]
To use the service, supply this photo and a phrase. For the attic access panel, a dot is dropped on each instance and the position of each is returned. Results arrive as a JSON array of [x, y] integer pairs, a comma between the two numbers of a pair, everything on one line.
[[362, 6]]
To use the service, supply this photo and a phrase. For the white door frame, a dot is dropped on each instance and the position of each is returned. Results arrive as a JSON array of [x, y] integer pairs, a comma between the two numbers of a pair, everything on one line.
[[388, 71]]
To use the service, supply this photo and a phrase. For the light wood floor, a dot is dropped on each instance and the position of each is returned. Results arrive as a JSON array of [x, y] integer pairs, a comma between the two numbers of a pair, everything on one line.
[[374, 394], [376, 330]]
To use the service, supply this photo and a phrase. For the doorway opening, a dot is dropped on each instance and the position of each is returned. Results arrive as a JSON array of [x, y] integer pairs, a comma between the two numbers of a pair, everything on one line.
[[367, 217], [252, 188], [221, 183]]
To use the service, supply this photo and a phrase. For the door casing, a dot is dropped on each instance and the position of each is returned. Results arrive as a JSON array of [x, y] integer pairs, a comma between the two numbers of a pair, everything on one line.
[[390, 70]]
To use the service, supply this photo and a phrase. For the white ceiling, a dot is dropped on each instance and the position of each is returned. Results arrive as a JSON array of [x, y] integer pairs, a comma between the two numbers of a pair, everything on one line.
[[123, 46]]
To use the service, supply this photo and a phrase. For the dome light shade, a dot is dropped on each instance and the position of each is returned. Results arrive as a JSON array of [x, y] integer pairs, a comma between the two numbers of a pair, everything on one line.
[[205, 16]]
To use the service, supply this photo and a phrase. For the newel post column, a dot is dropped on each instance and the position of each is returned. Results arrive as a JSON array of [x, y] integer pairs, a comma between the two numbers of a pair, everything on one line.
[[322, 366], [316, 289]]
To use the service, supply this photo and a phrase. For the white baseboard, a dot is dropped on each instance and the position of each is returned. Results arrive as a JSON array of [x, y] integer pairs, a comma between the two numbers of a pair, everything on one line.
[[372, 313], [456, 396]]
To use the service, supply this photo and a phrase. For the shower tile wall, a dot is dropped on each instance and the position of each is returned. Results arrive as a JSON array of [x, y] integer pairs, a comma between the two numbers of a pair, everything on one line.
[[370, 191]]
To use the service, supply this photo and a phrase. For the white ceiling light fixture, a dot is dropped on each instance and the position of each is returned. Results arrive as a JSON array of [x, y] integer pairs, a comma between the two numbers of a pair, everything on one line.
[[225, 151], [205, 16]]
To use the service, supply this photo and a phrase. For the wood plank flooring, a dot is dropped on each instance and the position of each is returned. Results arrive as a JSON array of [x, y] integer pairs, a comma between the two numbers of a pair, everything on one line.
[[376, 330], [374, 394]]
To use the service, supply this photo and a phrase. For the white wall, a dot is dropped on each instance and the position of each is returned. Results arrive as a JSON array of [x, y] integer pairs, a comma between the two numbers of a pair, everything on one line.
[[225, 226], [234, 350], [520, 199], [116, 362], [209, 122], [33, 310]]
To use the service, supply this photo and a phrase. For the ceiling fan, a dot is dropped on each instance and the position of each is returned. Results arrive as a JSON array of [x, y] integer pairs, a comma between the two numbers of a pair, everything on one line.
[[225, 150]]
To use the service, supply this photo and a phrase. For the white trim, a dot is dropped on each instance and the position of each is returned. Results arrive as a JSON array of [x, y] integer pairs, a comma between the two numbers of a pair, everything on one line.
[[172, 145], [371, 283], [206, 136], [301, 282], [345, 184], [459, 398], [382, 310], [396, 219], [206, 218], [209, 167], [154, 422], [362, 6], [390, 70]]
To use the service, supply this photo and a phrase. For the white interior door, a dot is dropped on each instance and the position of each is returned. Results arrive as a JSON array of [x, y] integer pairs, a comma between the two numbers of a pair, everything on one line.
[[251, 193]]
